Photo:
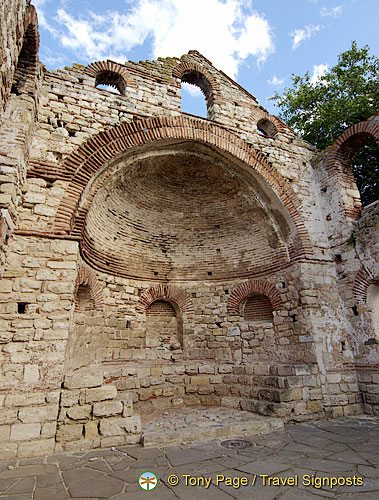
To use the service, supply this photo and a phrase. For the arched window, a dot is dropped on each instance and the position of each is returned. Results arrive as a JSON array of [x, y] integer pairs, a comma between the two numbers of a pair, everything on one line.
[[110, 80], [266, 128], [193, 100], [195, 79], [258, 307], [362, 149], [163, 327]]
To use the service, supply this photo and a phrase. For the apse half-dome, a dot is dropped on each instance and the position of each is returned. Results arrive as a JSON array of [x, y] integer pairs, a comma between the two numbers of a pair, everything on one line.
[[183, 212]]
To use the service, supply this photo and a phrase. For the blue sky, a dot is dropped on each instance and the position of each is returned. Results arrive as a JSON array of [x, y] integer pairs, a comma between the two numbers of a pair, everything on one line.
[[259, 43]]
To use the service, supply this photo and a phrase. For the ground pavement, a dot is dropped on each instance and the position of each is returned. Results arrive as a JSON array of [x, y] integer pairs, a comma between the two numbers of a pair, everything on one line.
[[302, 462]]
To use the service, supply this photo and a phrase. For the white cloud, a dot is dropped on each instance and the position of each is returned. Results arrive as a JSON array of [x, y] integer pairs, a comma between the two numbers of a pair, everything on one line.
[[42, 21], [318, 71], [301, 34], [276, 81], [192, 90], [224, 31], [332, 12]]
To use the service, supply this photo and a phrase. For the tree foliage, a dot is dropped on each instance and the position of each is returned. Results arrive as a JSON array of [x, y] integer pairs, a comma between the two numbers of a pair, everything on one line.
[[346, 94]]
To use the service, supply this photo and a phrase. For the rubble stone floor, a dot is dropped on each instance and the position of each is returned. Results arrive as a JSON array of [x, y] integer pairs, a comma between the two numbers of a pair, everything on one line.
[[340, 448]]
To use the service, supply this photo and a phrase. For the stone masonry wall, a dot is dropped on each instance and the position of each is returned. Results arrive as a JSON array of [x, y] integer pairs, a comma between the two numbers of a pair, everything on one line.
[[118, 210]]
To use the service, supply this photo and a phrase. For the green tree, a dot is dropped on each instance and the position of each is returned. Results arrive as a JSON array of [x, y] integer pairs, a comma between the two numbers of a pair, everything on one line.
[[346, 94]]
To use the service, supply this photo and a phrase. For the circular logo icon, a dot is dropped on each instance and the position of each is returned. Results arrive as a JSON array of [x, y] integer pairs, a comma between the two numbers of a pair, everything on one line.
[[148, 481]]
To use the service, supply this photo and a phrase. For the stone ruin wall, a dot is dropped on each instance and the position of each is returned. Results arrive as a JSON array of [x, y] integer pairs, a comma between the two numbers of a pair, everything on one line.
[[80, 307]]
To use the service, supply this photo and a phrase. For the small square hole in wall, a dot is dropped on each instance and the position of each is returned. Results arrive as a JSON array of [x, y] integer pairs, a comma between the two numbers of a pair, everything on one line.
[[128, 323], [338, 258], [21, 307], [210, 273], [193, 295], [155, 273], [226, 291]]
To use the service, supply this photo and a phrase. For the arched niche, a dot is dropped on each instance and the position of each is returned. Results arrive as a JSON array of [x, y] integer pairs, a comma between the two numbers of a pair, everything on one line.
[[164, 327], [258, 308]]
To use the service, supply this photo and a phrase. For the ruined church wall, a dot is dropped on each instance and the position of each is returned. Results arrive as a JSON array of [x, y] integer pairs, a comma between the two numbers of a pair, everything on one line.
[[11, 35], [298, 366]]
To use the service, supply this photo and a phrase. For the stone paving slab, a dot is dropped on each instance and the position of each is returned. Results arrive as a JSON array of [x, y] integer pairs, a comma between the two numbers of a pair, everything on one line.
[[297, 463], [176, 426]]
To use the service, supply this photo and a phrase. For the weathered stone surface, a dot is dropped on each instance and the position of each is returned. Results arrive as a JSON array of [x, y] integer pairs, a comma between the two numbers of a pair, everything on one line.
[[24, 432], [101, 394], [79, 412], [83, 380], [69, 432], [108, 408]]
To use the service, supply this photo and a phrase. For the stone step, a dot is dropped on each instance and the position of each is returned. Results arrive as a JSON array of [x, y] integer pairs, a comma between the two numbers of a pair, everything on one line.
[[213, 423]]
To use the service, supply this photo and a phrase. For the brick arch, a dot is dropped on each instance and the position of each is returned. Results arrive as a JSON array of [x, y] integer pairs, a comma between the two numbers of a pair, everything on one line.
[[363, 280], [271, 122], [196, 74], [339, 157], [87, 276], [369, 127], [164, 291], [82, 164], [116, 74], [251, 287], [349, 141]]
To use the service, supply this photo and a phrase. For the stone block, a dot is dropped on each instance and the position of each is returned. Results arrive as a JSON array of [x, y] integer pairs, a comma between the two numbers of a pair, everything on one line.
[[5, 432], [38, 414], [60, 287], [70, 397], [110, 441], [46, 274], [199, 380], [24, 432], [83, 380], [33, 198], [207, 369], [156, 371], [110, 427], [6, 286], [79, 412], [49, 430], [314, 406], [27, 399], [31, 374], [233, 331], [333, 378], [101, 393], [8, 416], [132, 424], [108, 408], [91, 429], [8, 450], [69, 432]]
